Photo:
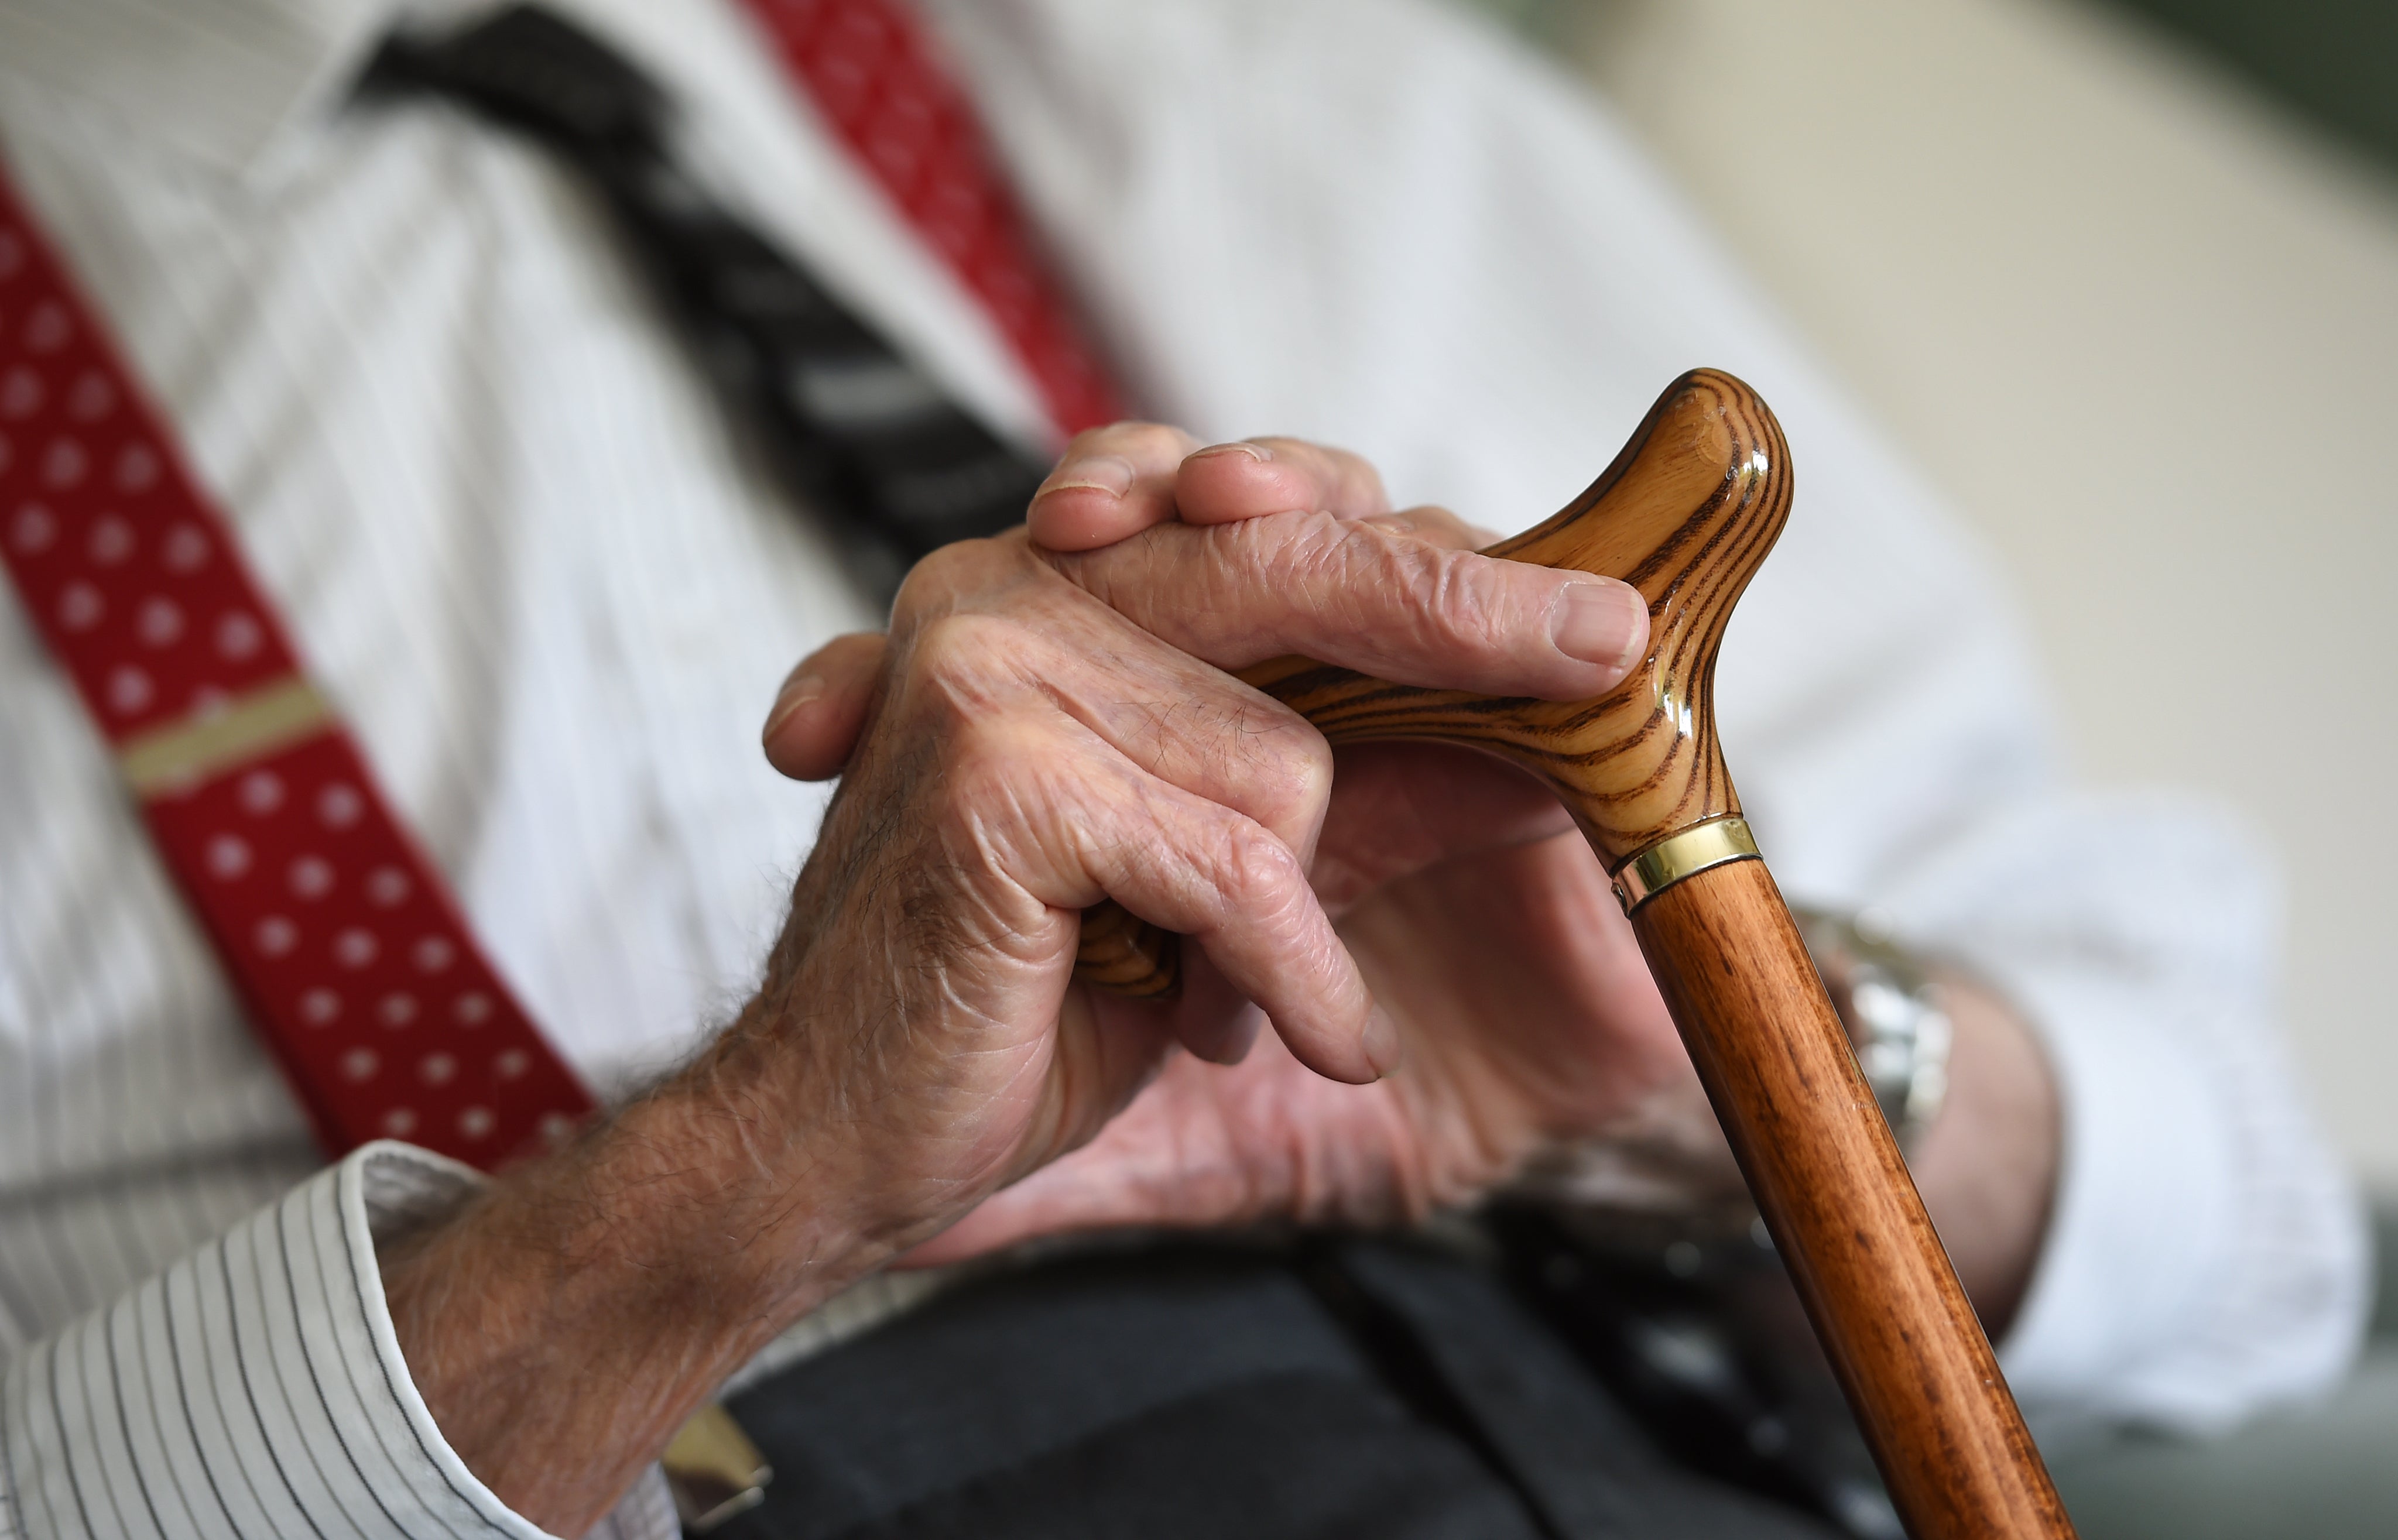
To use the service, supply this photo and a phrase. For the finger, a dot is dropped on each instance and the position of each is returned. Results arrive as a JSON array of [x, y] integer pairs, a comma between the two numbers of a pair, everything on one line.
[[1111, 482], [1078, 683], [1352, 592], [1187, 865], [818, 712], [1166, 712], [1213, 1020], [1243, 899], [1434, 526], [1256, 477], [1248, 906]]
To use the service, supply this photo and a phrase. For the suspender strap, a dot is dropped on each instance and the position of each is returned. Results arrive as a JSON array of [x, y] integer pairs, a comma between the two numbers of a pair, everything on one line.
[[341, 938], [354, 961]]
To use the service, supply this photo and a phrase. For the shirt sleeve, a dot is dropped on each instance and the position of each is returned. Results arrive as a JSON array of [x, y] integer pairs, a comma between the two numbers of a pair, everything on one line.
[[2206, 1255], [256, 1389]]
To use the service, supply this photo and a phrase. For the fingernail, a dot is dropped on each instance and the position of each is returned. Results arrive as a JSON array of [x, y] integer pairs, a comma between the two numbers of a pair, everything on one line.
[[1603, 623], [1381, 1041], [1103, 473], [1397, 524], [1255, 452], [800, 691]]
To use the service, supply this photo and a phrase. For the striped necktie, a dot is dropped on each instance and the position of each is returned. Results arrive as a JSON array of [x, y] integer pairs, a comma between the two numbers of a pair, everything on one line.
[[850, 424]]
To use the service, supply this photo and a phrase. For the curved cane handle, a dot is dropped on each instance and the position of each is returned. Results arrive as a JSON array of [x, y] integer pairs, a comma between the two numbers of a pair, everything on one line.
[[1686, 515]]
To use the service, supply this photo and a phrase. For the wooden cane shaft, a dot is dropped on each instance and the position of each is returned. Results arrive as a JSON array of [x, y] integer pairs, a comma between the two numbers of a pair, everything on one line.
[[1836, 1194]]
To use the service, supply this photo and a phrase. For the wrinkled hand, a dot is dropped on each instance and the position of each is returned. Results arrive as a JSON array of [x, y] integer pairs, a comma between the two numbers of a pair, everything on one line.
[[1473, 911], [1043, 727], [1043, 730]]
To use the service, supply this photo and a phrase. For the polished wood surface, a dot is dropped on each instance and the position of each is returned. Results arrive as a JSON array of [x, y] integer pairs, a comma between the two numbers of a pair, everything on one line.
[[1686, 515], [1835, 1192], [1129, 955]]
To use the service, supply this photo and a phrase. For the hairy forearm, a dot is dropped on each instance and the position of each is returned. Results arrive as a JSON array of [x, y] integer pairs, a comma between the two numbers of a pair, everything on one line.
[[565, 1323]]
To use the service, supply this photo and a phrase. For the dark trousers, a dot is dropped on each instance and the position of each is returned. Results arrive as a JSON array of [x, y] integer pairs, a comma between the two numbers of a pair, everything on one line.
[[1346, 1388]]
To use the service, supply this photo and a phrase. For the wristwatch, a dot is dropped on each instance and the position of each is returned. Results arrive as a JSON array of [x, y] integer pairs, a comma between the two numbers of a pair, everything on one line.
[[1655, 1181], [1897, 1021]]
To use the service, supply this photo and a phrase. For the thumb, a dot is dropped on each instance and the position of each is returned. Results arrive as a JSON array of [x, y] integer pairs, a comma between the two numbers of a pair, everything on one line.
[[821, 708]]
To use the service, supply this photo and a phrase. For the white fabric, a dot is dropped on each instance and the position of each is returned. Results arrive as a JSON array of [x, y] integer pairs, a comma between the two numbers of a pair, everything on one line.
[[255, 1388], [514, 538]]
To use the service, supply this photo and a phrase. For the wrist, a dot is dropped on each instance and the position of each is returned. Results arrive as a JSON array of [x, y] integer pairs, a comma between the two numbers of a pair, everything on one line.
[[590, 1302], [712, 1199]]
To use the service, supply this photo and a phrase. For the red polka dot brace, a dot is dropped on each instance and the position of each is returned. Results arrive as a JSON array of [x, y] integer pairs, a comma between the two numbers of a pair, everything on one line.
[[343, 942], [341, 938]]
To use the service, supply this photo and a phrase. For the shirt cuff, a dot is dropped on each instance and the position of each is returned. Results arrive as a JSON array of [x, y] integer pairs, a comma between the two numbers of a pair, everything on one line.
[[2144, 1213], [256, 1389]]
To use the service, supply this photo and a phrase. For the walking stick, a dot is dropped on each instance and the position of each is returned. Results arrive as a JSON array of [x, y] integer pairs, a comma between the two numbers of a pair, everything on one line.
[[1685, 515]]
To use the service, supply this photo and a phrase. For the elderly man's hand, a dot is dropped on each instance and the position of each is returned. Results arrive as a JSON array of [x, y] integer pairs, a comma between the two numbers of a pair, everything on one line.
[[1478, 913], [1040, 732], [1048, 729]]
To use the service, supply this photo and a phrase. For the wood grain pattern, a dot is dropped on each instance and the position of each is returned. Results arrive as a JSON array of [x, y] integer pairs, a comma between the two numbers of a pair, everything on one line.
[[1836, 1194], [1686, 514], [1128, 956]]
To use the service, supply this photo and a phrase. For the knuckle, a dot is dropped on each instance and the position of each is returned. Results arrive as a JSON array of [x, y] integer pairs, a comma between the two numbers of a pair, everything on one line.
[[959, 647], [936, 579], [1286, 555], [1255, 873], [1358, 478], [1346, 474], [955, 574], [1400, 595], [1290, 765], [1453, 597], [1352, 567], [979, 751]]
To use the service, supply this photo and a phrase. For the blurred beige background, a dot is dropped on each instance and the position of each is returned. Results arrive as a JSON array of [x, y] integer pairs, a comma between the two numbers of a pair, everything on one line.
[[2144, 327]]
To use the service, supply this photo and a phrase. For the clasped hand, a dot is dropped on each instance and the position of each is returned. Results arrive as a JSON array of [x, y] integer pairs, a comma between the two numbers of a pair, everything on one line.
[[1050, 722]]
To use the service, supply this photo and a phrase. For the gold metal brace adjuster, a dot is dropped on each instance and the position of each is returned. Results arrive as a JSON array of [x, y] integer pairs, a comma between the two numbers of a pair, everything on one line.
[[714, 1471], [224, 737]]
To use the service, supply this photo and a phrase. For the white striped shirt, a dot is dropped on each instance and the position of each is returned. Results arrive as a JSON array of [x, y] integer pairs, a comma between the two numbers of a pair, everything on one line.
[[513, 537]]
